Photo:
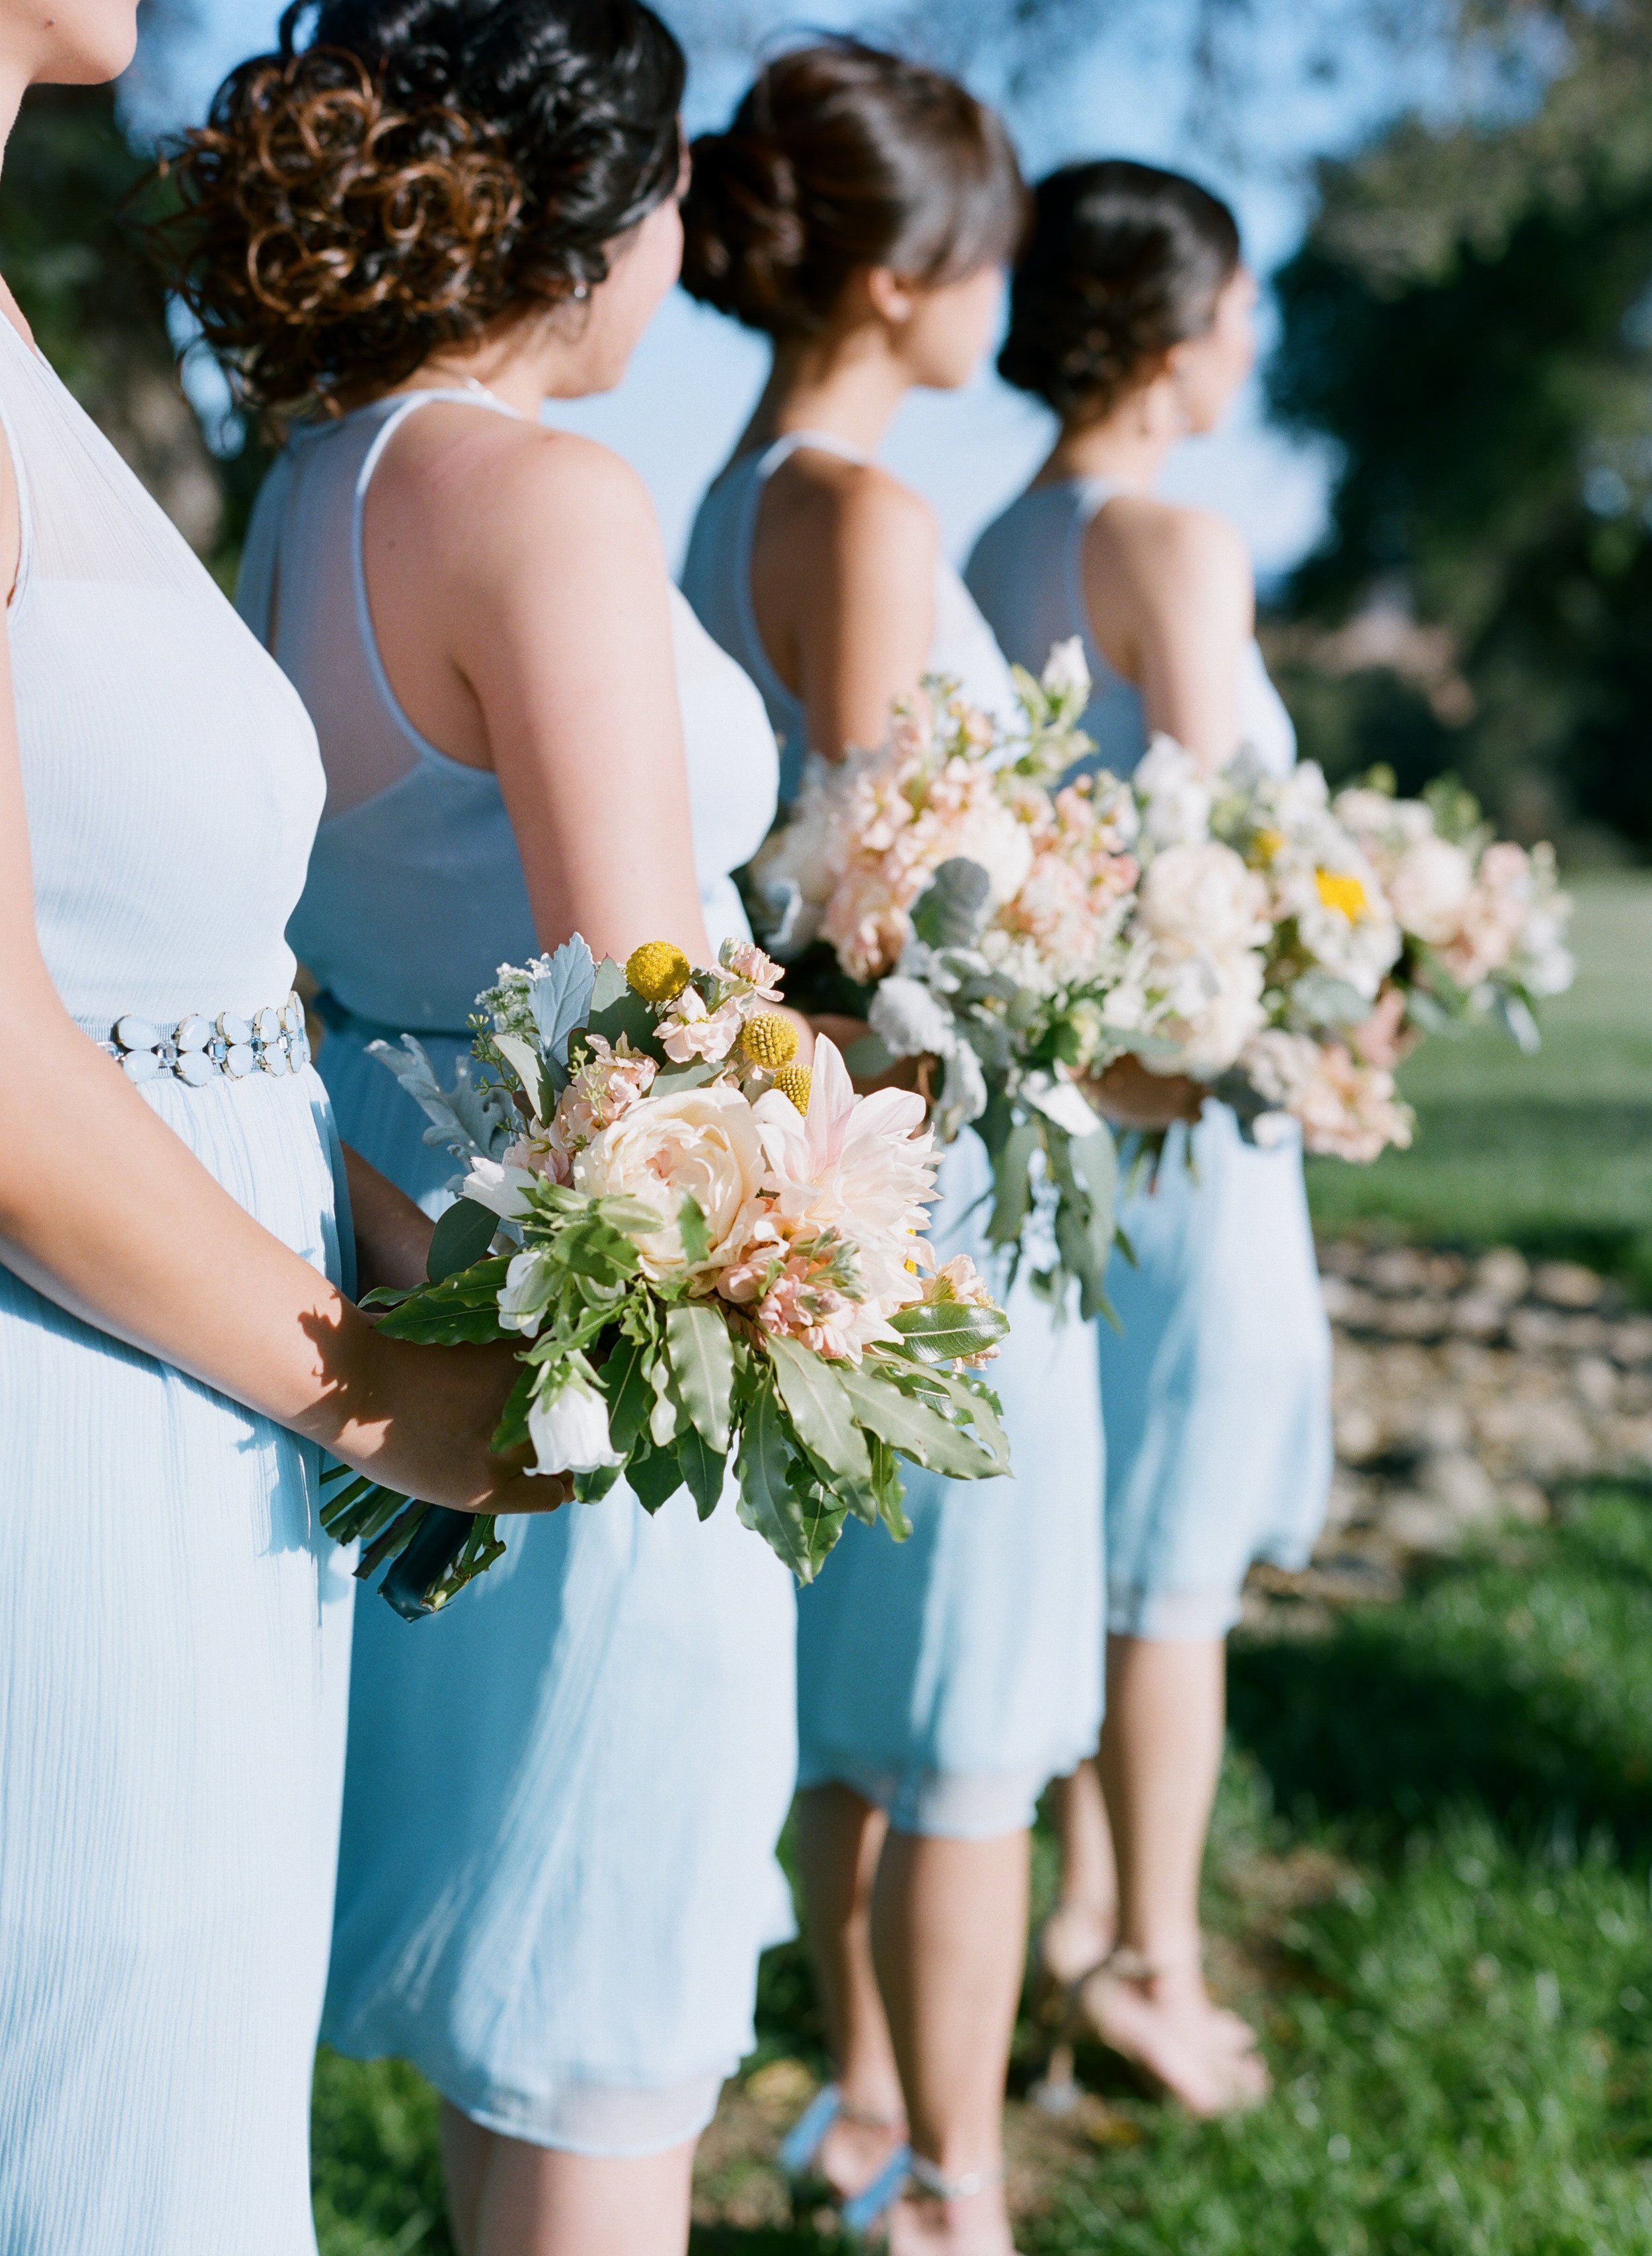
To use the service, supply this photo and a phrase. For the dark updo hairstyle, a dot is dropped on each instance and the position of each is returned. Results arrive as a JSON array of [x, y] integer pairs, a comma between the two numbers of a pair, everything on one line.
[[1121, 263], [839, 158], [418, 169]]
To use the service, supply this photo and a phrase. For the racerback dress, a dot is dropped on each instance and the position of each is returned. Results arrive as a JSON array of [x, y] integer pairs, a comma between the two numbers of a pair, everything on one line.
[[564, 1792], [949, 1677], [1216, 1392], [175, 1626]]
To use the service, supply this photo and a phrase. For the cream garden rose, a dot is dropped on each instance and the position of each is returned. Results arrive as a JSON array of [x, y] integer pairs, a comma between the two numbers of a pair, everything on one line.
[[702, 1144]]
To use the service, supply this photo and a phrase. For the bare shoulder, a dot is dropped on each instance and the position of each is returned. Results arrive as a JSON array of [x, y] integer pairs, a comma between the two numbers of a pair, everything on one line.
[[1156, 546], [488, 482], [853, 507]]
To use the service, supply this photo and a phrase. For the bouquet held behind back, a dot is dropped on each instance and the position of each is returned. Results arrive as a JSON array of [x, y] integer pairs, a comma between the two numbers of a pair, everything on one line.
[[1246, 930], [708, 1252]]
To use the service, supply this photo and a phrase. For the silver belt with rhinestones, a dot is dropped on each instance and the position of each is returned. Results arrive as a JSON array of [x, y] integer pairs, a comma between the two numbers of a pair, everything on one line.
[[199, 1050]]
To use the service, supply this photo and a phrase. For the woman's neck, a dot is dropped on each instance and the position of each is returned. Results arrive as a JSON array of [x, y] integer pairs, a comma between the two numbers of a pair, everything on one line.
[[1117, 448], [849, 387]]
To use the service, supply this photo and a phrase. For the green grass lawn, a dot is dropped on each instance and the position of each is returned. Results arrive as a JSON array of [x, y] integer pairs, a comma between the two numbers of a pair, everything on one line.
[[1552, 1153], [1429, 1884]]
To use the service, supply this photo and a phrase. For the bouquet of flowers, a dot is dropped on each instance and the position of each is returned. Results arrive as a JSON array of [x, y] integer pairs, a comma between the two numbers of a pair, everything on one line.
[[948, 890], [710, 1252], [1319, 936]]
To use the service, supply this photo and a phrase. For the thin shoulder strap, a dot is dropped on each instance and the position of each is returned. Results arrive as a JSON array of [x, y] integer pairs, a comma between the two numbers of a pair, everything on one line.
[[407, 405]]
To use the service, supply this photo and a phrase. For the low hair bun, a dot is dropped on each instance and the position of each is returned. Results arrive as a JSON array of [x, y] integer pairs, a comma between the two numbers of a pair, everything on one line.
[[1122, 263], [744, 237], [841, 157]]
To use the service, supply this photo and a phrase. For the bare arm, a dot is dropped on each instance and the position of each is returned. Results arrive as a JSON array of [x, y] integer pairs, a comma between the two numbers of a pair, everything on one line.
[[105, 1211], [1172, 604], [843, 580]]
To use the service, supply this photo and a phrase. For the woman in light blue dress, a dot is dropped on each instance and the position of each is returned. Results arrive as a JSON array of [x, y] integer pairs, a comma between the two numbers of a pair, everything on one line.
[[1131, 317], [175, 1355], [858, 210], [564, 1793]]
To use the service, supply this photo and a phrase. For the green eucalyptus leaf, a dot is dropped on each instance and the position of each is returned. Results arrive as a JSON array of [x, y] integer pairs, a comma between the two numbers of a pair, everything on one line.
[[1012, 1172], [608, 984], [463, 1235], [815, 1401], [675, 1078], [702, 1360]]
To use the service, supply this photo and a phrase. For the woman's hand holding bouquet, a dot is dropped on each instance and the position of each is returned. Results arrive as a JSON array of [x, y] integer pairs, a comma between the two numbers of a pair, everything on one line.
[[713, 1253]]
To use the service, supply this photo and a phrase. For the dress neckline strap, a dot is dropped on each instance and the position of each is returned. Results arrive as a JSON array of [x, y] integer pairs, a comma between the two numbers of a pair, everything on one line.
[[792, 442]]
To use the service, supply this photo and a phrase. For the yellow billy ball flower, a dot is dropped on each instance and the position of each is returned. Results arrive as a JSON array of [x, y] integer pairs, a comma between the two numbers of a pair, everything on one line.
[[794, 1081], [769, 1040], [657, 971], [1266, 843], [1338, 890]]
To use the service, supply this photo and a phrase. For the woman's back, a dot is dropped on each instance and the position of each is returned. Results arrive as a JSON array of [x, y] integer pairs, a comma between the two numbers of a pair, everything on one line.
[[1026, 572], [416, 892], [717, 579]]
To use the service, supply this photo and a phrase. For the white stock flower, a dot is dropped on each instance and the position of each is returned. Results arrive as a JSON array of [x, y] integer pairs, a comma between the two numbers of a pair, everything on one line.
[[1066, 676], [1202, 898], [702, 1144], [1175, 798], [569, 1430]]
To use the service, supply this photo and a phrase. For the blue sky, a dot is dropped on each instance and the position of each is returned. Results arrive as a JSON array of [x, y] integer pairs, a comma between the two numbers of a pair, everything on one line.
[[1125, 92]]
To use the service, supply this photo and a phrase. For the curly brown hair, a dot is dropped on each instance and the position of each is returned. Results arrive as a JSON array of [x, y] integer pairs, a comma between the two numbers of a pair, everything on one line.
[[1122, 262], [422, 170]]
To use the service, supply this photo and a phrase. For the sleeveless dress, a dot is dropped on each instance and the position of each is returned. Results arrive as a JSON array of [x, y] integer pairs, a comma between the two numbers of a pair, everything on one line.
[[949, 1677], [1217, 1395], [564, 1792], [175, 1626]]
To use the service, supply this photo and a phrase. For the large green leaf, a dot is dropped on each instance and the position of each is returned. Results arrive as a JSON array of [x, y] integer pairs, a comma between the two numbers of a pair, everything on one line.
[[463, 1235], [654, 1475], [887, 1494], [704, 1470], [462, 1307], [626, 1016], [702, 1361], [917, 1431], [971, 1398], [818, 1405], [696, 1239], [944, 1329], [511, 1433], [626, 1382], [769, 1505]]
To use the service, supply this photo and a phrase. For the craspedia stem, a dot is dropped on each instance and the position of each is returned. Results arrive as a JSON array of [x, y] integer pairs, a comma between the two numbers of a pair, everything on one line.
[[657, 971]]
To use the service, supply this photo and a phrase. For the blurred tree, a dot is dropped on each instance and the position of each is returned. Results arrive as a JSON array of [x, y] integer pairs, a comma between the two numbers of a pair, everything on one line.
[[92, 299], [1470, 320]]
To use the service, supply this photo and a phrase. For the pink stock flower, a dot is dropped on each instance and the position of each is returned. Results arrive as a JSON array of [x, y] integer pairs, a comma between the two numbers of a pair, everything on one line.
[[744, 960], [689, 1030]]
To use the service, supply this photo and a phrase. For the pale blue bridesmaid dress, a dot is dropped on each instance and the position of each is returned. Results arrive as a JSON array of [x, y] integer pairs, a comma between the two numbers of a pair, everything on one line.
[[175, 1626], [949, 1677], [1217, 1393], [564, 1792]]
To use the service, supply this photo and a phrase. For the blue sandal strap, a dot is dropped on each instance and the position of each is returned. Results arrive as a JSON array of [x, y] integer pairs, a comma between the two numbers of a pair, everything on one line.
[[869, 2204], [803, 2141]]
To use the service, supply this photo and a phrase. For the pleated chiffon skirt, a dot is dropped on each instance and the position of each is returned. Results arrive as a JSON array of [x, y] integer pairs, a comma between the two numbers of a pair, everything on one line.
[[564, 1793], [948, 1678], [175, 1654], [1216, 1392]]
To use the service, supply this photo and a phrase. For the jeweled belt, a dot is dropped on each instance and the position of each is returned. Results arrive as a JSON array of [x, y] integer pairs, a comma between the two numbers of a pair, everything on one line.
[[199, 1050]]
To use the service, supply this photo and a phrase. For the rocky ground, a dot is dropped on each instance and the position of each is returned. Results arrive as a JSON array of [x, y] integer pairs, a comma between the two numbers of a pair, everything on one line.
[[1466, 1391]]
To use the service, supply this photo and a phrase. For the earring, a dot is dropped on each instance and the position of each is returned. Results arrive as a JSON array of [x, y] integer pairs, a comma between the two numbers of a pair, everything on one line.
[[582, 290]]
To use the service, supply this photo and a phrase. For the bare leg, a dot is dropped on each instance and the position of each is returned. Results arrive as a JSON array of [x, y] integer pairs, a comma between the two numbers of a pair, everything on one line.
[[948, 1935], [510, 2198], [1160, 1754], [840, 1838], [1082, 1928]]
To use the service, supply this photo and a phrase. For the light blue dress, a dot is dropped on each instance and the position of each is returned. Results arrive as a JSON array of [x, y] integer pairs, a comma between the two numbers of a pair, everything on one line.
[[175, 1626], [564, 1791], [949, 1677], [1217, 1392]]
